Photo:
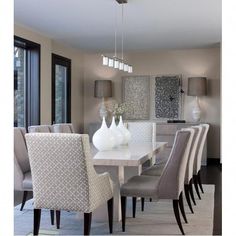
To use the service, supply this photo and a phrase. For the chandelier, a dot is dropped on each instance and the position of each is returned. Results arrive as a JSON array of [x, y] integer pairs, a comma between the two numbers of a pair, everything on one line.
[[116, 62]]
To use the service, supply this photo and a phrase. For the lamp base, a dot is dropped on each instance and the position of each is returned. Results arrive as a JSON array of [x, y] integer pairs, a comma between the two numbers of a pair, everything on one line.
[[103, 111], [196, 112]]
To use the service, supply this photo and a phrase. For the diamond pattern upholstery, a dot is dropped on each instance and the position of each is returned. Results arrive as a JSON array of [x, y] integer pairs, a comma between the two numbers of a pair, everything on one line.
[[63, 173]]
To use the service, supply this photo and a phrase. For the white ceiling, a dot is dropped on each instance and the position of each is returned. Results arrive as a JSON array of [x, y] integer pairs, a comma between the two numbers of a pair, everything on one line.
[[149, 24]]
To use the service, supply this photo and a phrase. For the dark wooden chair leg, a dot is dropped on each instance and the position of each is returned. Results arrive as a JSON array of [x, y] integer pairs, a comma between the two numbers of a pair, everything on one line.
[[150, 199], [181, 206], [191, 191], [142, 203], [87, 223], [200, 181], [110, 214], [58, 219], [196, 186], [24, 200], [52, 216], [37, 216], [134, 200], [123, 211], [186, 191], [177, 217]]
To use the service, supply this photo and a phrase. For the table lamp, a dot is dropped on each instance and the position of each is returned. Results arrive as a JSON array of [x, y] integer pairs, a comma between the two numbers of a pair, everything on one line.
[[197, 86], [103, 89]]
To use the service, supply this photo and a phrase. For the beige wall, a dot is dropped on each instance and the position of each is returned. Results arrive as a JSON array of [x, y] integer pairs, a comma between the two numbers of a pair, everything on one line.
[[194, 62], [48, 47]]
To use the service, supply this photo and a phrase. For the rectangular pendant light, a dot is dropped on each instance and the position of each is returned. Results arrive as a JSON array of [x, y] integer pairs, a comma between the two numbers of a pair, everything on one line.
[[125, 67], [130, 69], [116, 64], [105, 60], [121, 66], [110, 62]]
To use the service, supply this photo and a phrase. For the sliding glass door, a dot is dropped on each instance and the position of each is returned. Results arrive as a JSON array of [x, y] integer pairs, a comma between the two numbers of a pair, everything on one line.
[[61, 89]]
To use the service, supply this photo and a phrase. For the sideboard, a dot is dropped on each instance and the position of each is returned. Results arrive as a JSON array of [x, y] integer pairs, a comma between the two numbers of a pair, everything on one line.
[[165, 133]]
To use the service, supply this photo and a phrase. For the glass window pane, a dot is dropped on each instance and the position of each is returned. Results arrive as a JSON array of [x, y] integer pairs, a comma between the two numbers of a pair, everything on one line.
[[19, 86], [60, 94]]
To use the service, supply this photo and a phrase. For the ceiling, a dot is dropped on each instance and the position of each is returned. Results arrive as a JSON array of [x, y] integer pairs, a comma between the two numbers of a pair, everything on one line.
[[148, 24]]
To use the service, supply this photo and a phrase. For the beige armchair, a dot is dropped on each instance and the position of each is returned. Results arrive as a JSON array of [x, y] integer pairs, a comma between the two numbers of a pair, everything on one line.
[[63, 128], [167, 186], [40, 129], [64, 177]]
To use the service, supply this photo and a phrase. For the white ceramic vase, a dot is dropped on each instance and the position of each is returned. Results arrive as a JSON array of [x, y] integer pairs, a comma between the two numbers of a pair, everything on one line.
[[116, 132], [124, 131], [103, 139]]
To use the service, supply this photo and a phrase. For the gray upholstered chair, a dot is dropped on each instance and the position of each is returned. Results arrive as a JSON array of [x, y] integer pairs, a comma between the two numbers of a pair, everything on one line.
[[167, 186], [40, 129], [198, 159], [64, 177], [63, 128], [22, 172]]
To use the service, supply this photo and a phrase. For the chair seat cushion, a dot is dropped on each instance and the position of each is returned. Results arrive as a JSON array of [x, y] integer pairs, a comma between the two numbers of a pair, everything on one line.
[[140, 186], [155, 170], [27, 182]]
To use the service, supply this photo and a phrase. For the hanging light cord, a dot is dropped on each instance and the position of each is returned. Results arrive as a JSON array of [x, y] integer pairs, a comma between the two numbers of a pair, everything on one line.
[[122, 39]]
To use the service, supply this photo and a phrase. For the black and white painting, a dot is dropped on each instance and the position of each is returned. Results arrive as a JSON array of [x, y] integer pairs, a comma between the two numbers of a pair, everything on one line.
[[168, 97]]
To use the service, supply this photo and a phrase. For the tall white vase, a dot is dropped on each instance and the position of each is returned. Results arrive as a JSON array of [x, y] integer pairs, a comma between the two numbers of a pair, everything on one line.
[[103, 139], [124, 131], [116, 132]]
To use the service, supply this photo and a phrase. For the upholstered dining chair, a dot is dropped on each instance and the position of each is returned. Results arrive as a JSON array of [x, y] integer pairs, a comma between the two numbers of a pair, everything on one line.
[[22, 172], [40, 129], [64, 177], [63, 128], [198, 159], [169, 185]]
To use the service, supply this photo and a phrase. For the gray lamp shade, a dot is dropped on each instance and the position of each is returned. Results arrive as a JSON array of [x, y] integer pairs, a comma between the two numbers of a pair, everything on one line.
[[197, 86], [103, 88]]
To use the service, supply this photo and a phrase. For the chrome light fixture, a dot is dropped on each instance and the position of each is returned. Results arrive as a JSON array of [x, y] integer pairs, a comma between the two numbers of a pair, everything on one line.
[[115, 61]]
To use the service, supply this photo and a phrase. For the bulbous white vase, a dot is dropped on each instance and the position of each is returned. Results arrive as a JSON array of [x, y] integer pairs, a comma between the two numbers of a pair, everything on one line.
[[103, 139], [116, 132], [124, 131]]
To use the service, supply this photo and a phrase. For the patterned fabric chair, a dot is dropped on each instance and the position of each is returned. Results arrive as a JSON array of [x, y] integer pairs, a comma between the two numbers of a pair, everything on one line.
[[63, 128], [64, 177], [142, 131], [167, 186], [198, 159], [22, 173], [40, 129]]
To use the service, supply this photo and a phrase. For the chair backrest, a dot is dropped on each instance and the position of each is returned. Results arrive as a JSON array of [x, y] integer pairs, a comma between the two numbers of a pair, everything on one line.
[[63, 128], [40, 129], [192, 152], [171, 182], [142, 131], [20, 150], [62, 171], [202, 141]]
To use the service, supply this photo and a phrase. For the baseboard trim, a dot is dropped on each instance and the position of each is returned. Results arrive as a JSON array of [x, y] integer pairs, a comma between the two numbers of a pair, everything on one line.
[[213, 161]]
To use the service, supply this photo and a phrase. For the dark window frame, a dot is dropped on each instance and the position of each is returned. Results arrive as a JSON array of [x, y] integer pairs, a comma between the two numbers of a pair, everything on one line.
[[33, 80], [66, 62]]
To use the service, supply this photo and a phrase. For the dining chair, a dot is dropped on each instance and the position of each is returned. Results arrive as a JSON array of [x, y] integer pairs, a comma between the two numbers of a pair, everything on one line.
[[198, 159], [63, 128], [22, 172], [169, 185], [40, 129], [64, 177]]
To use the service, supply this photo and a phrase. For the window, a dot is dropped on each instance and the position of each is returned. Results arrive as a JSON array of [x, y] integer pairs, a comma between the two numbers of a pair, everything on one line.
[[26, 83], [61, 89]]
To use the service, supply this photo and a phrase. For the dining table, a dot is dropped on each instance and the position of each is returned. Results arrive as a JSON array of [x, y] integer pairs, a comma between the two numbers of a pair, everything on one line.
[[122, 163]]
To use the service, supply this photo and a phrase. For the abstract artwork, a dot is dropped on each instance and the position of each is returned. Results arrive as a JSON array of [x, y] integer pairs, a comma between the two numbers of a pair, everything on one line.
[[168, 97], [136, 95]]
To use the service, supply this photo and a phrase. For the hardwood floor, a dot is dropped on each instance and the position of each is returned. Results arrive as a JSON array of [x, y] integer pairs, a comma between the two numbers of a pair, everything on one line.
[[212, 174]]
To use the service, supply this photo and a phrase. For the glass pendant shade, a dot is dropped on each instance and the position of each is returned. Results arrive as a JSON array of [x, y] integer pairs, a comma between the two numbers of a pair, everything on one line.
[[125, 67], [116, 64], [110, 62], [130, 69], [105, 61], [121, 66]]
